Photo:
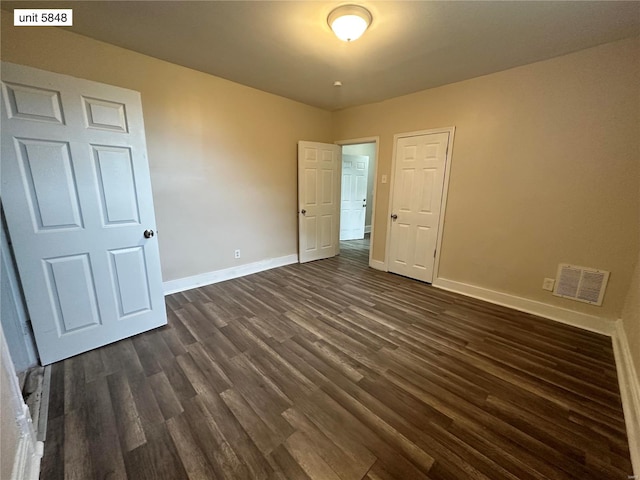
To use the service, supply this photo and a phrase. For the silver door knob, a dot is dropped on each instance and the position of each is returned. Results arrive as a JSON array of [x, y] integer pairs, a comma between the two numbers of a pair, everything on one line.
[[394, 216], [148, 233], [303, 211]]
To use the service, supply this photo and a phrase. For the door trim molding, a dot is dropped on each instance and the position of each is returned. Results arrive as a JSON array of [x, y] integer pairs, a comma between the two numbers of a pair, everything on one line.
[[445, 189], [355, 141]]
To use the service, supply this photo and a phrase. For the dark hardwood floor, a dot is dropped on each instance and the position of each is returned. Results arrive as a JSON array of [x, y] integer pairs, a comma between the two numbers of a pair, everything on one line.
[[332, 370]]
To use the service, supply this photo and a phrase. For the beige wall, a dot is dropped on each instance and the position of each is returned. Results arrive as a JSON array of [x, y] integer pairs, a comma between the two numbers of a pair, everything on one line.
[[544, 170], [222, 155]]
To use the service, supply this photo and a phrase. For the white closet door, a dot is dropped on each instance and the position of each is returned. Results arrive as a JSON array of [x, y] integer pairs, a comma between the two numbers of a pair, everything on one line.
[[417, 196]]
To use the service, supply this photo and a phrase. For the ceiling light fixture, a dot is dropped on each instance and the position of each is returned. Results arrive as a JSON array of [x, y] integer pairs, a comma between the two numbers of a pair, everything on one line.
[[349, 22]]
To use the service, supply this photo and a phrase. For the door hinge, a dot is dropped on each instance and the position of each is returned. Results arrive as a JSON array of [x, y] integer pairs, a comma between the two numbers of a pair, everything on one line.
[[434, 253]]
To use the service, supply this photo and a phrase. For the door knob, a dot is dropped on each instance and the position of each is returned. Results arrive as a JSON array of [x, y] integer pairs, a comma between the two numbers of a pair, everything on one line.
[[148, 233], [303, 211], [394, 216]]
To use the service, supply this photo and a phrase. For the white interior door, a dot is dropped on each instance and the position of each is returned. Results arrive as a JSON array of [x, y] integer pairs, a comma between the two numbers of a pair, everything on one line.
[[353, 201], [415, 211], [77, 197], [318, 200]]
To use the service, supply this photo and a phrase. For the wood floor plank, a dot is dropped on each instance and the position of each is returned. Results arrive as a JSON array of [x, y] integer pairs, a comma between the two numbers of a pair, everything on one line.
[[57, 390], [102, 434], [145, 350], [93, 365], [282, 461], [305, 454], [264, 437], [157, 459], [126, 351], [78, 464], [128, 421], [345, 465], [73, 383], [54, 461], [181, 331], [221, 456], [111, 359], [165, 396], [145, 401], [214, 375], [193, 459], [180, 384], [331, 370]]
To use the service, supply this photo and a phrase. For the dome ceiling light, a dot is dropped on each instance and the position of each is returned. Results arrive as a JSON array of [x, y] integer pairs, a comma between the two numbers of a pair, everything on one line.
[[349, 22]]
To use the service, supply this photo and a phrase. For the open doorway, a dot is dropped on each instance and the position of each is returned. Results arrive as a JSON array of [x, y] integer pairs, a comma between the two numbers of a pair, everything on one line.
[[358, 180]]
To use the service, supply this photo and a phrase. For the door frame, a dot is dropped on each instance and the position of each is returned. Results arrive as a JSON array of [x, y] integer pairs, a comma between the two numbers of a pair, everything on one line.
[[445, 192], [356, 141]]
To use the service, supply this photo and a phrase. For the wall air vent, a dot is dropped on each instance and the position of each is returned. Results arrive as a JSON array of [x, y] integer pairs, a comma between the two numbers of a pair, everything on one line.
[[581, 284]]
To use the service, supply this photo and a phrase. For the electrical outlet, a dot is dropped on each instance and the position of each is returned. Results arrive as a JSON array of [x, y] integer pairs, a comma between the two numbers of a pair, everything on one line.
[[236, 254], [384, 179], [548, 284]]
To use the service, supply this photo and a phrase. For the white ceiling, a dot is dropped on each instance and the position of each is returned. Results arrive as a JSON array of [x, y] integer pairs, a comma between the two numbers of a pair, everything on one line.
[[287, 48]]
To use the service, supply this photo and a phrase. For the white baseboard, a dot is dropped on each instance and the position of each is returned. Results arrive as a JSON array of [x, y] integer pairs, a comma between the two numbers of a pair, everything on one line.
[[629, 391], [187, 283], [378, 265], [367, 229], [563, 315]]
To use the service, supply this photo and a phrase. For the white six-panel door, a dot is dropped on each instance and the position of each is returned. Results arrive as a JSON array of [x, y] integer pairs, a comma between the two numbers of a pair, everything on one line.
[[77, 198], [318, 200], [415, 209], [353, 200]]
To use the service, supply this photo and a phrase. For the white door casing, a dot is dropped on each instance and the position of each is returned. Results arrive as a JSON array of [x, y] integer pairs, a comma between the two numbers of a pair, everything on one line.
[[419, 175], [353, 200], [77, 198], [318, 200]]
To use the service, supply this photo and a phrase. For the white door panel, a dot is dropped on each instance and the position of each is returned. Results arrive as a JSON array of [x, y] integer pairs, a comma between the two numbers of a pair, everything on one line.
[[318, 210], [417, 195], [354, 196], [77, 197]]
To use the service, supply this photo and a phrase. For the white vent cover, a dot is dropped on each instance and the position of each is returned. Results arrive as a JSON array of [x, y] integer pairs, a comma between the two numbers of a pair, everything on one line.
[[581, 284]]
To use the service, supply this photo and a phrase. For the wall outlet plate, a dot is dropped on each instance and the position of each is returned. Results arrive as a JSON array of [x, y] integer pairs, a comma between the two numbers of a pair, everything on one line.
[[548, 284], [236, 254]]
